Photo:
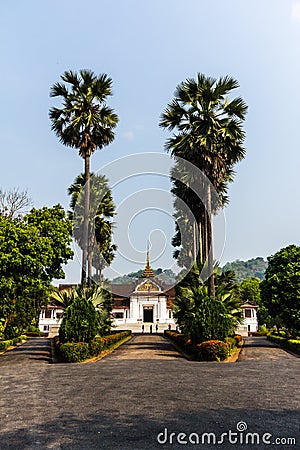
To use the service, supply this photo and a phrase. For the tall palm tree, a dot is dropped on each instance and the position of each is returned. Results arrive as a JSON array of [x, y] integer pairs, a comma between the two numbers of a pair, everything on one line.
[[84, 122], [207, 131], [102, 210]]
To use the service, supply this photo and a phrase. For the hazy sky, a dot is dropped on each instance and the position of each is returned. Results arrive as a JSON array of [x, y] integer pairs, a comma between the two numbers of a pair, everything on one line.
[[148, 47]]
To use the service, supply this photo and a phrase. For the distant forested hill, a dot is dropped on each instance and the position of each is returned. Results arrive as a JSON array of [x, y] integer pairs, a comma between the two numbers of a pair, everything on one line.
[[167, 277], [246, 269]]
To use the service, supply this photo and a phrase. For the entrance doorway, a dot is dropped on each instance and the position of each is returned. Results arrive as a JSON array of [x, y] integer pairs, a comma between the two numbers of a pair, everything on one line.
[[148, 313]]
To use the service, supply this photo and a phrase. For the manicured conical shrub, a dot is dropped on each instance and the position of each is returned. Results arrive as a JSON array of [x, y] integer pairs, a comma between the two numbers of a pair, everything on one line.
[[80, 322]]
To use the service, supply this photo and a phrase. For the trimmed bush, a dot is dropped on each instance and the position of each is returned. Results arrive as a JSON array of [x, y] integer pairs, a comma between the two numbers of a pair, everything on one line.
[[180, 339], [79, 351], [80, 322], [289, 344], [213, 350], [4, 345], [11, 342], [74, 352]]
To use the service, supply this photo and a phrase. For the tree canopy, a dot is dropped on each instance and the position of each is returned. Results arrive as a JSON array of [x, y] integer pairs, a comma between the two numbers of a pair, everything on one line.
[[32, 252], [280, 291], [249, 291]]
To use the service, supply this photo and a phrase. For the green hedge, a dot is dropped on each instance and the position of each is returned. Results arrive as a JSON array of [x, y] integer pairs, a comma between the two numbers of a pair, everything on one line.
[[179, 339], [289, 344], [79, 351], [11, 342], [74, 352]]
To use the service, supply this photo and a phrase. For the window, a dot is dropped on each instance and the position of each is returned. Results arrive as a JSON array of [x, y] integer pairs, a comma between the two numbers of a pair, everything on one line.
[[46, 327], [59, 315], [48, 314], [119, 315], [170, 314], [247, 313]]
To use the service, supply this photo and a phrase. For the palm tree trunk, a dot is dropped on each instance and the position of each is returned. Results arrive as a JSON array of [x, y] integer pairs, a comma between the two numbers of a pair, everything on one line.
[[204, 235], [195, 237], [211, 280], [90, 266], [86, 219]]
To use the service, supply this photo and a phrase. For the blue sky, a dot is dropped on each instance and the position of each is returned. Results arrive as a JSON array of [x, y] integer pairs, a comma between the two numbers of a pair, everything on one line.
[[148, 48]]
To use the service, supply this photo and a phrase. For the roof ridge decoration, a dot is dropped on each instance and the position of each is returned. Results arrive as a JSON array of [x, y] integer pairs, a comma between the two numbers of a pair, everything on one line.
[[148, 272]]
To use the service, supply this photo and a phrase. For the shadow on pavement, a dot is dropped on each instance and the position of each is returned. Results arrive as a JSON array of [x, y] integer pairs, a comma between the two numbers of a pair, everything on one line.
[[138, 432]]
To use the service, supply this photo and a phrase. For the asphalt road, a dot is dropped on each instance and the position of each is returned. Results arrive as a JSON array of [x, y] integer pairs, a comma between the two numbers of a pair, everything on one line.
[[130, 402]]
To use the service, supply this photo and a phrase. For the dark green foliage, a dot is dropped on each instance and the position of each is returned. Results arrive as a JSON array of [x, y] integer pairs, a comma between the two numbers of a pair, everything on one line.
[[264, 318], [280, 291], [104, 308], [253, 268], [210, 321], [213, 350], [201, 317], [102, 210], [99, 295], [80, 322], [84, 121], [206, 131]]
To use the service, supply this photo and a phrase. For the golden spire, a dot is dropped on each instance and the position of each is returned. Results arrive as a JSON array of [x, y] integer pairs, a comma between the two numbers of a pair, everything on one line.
[[148, 272]]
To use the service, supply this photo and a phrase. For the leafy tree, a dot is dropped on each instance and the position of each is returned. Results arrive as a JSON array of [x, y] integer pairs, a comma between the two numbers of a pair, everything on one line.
[[32, 252], [249, 291], [80, 322], [54, 229], [280, 291], [84, 122], [209, 135]]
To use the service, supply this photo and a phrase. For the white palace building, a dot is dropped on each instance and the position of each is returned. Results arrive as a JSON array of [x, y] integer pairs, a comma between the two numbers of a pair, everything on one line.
[[145, 305], [146, 302]]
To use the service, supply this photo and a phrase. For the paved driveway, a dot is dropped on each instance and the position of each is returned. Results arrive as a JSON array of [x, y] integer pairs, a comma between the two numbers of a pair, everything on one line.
[[146, 346], [123, 403]]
